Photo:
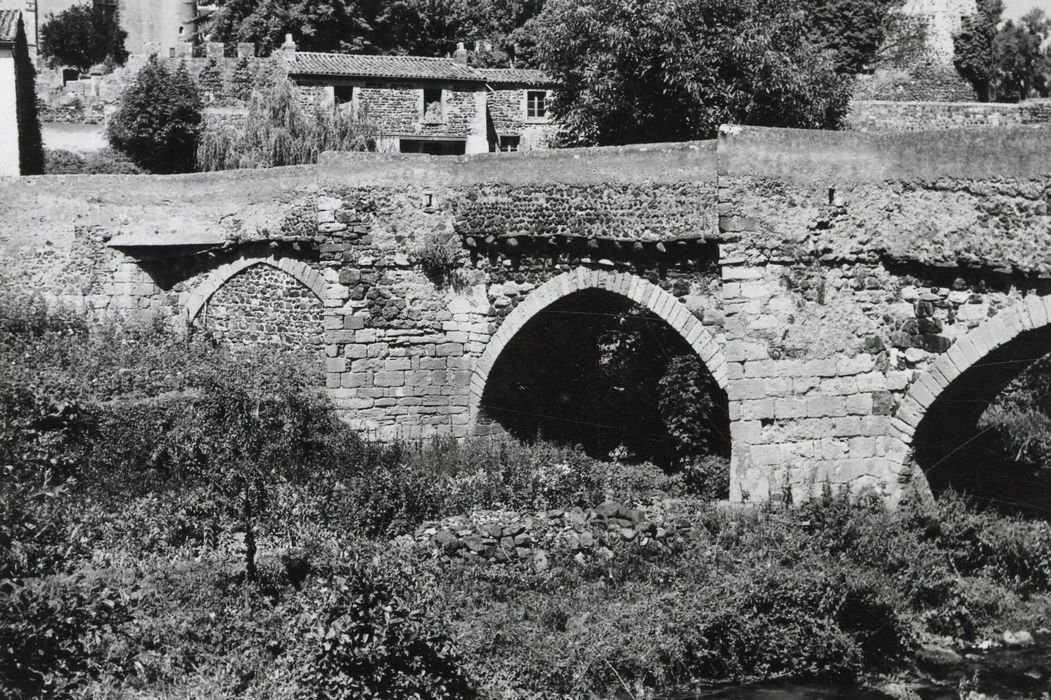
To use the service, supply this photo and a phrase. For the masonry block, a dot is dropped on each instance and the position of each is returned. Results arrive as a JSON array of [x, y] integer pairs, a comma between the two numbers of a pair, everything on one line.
[[819, 406]]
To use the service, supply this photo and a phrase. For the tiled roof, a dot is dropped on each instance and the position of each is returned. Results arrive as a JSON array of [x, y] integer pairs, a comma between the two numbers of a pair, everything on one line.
[[406, 67], [514, 75], [8, 25]]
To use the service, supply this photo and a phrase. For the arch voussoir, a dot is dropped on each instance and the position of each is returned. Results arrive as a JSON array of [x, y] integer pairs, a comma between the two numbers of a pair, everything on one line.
[[204, 291], [625, 284], [1031, 313]]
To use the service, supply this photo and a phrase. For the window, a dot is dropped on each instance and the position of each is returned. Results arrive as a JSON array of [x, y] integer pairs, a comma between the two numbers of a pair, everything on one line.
[[433, 107], [343, 99], [536, 104], [508, 144], [435, 147]]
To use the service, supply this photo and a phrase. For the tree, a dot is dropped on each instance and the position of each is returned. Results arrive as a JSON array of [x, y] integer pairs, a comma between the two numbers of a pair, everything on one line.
[[973, 47], [159, 119], [1004, 61], [672, 70], [30, 143], [1023, 64], [854, 30], [82, 36], [278, 131], [318, 25], [252, 425]]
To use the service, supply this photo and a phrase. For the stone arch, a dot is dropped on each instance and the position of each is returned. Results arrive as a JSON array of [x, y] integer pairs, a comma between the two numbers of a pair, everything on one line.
[[306, 275], [1033, 313], [625, 284]]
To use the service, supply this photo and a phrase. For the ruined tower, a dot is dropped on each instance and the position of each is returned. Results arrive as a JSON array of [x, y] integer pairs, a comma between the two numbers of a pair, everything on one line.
[[157, 26], [943, 19]]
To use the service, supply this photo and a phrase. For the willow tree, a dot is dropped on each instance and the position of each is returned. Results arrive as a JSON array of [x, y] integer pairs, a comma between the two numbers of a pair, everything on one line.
[[280, 131]]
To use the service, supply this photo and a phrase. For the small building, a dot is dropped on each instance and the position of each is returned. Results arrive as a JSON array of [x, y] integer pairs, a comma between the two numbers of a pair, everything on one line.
[[439, 106]]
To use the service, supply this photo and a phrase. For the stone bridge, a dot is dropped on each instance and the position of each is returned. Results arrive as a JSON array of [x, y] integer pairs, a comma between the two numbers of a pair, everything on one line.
[[858, 299]]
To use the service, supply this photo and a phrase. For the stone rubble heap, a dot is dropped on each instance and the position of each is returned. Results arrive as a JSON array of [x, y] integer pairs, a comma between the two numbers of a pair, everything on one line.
[[509, 536]]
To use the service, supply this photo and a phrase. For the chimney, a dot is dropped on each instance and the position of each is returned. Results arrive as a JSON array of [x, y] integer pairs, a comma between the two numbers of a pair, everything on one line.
[[288, 49], [460, 54]]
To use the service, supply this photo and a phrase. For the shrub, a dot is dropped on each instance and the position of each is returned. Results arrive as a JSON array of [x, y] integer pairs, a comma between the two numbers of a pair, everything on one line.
[[210, 78], [439, 257], [159, 119], [103, 162], [367, 633], [53, 634], [242, 81]]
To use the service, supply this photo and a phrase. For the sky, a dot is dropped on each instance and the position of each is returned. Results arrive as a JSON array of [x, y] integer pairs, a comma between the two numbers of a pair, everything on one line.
[[1016, 8]]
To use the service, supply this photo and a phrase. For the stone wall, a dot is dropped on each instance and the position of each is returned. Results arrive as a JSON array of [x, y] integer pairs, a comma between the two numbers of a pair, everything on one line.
[[923, 82], [287, 316], [821, 276], [93, 98], [873, 115]]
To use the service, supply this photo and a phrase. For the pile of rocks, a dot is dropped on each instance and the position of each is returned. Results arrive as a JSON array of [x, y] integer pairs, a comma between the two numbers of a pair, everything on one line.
[[510, 536]]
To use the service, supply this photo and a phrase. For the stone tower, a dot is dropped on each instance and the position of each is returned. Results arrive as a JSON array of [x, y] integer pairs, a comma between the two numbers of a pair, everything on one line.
[[165, 27], [944, 18]]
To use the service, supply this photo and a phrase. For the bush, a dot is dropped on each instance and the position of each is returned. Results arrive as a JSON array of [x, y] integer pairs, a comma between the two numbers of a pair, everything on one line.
[[104, 162], [159, 119], [53, 634], [210, 79], [367, 633], [438, 256]]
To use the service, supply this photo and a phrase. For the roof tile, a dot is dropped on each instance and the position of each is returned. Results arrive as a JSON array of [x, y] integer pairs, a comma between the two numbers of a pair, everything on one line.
[[407, 67], [9, 25]]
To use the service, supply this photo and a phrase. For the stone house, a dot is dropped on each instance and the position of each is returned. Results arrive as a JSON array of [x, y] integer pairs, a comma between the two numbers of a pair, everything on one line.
[[438, 106]]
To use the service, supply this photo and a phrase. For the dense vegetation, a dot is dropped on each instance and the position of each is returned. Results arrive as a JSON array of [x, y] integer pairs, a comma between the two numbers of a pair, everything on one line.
[[278, 130], [1005, 61], [103, 162], [177, 521], [159, 119], [82, 36]]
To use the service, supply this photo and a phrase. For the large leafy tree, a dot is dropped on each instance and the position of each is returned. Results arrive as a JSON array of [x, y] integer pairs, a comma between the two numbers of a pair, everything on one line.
[[1004, 61], [82, 36], [1023, 58], [973, 47], [317, 25], [159, 119], [417, 27], [672, 70], [855, 30]]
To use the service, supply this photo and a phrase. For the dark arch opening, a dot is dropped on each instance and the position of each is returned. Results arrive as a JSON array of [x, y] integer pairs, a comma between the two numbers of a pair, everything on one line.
[[968, 439], [595, 369]]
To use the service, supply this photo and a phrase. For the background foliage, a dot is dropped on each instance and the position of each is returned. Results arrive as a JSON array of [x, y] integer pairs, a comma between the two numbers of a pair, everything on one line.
[[83, 36], [159, 119]]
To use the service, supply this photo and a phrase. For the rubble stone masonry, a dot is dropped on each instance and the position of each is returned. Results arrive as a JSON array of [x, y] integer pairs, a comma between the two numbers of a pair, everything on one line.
[[834, 283]]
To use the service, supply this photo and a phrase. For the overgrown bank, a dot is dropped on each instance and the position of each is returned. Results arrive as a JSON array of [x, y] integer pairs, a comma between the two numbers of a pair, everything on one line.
[[180, 522]]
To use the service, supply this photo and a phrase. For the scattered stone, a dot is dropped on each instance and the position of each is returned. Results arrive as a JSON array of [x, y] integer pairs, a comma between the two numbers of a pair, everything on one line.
[[938, 660], [540, 561], [1015, 640], [447, 539]]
